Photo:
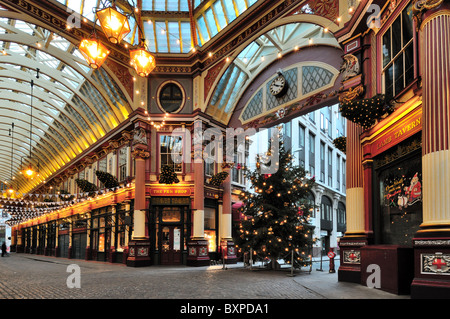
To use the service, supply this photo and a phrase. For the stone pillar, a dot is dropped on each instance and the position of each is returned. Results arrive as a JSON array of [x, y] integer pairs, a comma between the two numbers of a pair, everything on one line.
[[226, 240], [139, 246], [198, 254], [355, 236], [70, 239], [432, 241], [87, 254]]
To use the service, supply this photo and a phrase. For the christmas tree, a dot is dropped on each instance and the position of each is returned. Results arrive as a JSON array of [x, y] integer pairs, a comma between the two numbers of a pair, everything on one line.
[[86, 186], [168, 175], [108, 180], [276, 209]]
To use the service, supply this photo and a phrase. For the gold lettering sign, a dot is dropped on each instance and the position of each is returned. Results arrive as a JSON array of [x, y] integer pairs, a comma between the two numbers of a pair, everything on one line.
[[405, 130], [166, 191]]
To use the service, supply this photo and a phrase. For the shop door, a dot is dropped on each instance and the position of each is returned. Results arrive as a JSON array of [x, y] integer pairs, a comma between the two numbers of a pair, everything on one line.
[[170, 245], [79, 245], [63, 243]]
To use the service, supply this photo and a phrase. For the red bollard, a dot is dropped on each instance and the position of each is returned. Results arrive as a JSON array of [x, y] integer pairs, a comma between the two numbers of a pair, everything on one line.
[[331, 254]]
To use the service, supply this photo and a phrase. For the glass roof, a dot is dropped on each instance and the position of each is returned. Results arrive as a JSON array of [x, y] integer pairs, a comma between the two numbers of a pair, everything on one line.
[[258, 55], [72, 105], [172, 33]]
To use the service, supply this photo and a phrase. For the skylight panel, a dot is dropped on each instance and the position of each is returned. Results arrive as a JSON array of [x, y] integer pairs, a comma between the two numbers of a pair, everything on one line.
[[220, 15], [204, 35], [186, 38], [241, 6], [174, 37], [209, 14]]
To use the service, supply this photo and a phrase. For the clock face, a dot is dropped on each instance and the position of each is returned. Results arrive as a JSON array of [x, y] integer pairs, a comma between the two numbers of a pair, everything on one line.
[[277, 86]]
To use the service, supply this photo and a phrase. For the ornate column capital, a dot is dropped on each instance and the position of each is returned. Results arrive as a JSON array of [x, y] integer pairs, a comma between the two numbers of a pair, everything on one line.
[[140, 153], [421, 6]]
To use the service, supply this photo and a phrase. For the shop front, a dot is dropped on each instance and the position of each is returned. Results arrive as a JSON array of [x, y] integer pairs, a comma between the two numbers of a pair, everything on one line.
[[169, 228], [392, 174]]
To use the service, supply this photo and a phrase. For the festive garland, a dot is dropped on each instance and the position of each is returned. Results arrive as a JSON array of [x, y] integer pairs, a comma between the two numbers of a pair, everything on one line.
[[341, 143], [365, 112], [168, 175], [108, 180], [217, 179]]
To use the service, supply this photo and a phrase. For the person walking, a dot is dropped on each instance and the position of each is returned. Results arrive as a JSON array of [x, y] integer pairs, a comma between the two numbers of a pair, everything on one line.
[[3, 249]]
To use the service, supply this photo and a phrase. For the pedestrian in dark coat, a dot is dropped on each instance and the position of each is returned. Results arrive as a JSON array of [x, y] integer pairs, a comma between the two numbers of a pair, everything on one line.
[[3, 249]]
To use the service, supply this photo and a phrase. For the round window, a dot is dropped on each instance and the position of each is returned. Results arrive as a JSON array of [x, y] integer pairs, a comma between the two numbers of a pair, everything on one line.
[[171, 97]]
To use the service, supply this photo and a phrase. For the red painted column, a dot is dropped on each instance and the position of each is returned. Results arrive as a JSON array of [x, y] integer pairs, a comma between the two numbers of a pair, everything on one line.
[[355, 237], [432, 241], [198, 253], [226, 242], [139, 246]]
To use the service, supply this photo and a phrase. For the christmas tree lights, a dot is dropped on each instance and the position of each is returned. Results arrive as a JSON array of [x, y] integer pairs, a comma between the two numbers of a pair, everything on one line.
[[276, 211]]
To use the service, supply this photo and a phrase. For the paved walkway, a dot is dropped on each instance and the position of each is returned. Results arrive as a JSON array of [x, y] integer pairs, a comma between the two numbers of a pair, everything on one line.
[[26, 276]]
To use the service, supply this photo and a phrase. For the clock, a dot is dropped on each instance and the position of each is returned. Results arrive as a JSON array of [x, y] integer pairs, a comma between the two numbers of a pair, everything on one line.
[[278, 86]]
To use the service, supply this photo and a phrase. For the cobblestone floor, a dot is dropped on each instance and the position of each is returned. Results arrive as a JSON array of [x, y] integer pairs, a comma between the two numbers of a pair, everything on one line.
[[26, 276]]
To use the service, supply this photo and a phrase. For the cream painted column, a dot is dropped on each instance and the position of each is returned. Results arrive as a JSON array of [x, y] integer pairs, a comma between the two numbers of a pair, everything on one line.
[[355, 236], [226, 222], [435, 30], [199, 184], [355, 212], [431, 241]]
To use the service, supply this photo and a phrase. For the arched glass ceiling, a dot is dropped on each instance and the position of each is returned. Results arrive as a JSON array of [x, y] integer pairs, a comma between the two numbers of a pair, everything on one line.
[[172, 33], [73, 106], [257, 56]]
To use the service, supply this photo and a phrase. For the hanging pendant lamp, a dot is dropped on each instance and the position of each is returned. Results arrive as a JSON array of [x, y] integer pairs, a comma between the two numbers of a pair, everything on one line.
[[29, 172], [114, 24], [142, 60], [94, 52]]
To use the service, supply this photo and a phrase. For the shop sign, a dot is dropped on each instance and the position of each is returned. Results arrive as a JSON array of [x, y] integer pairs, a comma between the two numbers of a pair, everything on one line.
[[170, 191], [398, 134]]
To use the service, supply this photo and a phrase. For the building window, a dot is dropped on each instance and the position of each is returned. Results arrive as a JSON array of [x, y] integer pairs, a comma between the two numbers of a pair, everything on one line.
[[343, 174], [123, 164], [398, 54], [171, 97], [326, 208], [301, 136], [171, 150], [312, 141], [236, 172], [322, 162], [210, 164]]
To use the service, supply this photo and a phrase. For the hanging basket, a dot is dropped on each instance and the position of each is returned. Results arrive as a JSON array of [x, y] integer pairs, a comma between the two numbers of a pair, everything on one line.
[[217, 179], [366, 112], [341, 143]]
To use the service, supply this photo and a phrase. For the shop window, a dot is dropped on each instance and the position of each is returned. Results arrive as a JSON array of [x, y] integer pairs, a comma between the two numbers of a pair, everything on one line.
[[171, 215], [210, 228], [121, 227], [171, 150], [398, 53], [400, 197]]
